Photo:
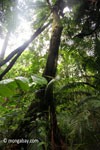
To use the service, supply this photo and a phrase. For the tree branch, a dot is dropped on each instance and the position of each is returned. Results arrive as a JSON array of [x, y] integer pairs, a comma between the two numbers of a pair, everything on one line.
[[82, 35], [19, 50], [25, 45], [10, 65], [49, 4]]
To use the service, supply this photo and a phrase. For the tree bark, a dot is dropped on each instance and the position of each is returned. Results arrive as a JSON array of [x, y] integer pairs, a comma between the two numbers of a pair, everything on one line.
[[51, 65], [56, 139]]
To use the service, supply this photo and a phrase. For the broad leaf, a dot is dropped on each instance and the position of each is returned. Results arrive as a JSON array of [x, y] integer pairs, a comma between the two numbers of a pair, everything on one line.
[[6, 87], [38, 79], [22, 83]]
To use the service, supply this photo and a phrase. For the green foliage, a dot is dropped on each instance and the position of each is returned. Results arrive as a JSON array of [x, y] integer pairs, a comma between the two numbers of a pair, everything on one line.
[[8, 86], [76, 92], [22, 83], [38, 80]]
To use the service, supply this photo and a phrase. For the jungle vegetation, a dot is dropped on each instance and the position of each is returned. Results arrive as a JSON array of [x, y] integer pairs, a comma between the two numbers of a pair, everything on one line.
[[49, 85]]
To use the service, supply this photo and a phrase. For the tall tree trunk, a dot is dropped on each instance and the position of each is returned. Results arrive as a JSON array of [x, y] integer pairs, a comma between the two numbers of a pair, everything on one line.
[[57, 141], [5, 44], [51, 65]]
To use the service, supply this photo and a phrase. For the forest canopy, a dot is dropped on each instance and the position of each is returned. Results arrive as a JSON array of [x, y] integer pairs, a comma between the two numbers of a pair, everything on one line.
[[49, 83]]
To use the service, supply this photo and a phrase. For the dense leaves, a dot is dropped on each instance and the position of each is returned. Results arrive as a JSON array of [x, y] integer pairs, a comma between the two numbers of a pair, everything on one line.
[[74, 92]]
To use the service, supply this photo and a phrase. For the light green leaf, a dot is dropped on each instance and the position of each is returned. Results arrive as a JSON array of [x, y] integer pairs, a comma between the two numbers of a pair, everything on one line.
[[49, 87], [6, 87], [38, 79], [5, 91], [9, 82], [22, 82]]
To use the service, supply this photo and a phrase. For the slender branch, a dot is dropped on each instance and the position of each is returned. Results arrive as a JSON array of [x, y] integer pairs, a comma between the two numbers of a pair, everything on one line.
[[10, 65], [19, 50], [49, 4], [25, 45], [82, 35]]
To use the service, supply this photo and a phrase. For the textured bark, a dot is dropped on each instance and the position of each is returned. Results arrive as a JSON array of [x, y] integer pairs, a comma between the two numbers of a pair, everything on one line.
[[57, 141], [51, 66]]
